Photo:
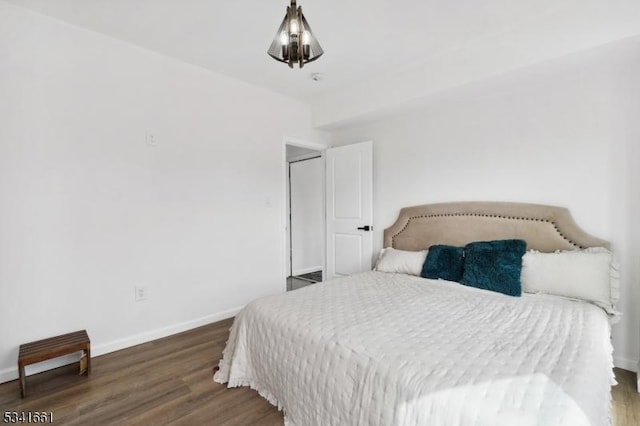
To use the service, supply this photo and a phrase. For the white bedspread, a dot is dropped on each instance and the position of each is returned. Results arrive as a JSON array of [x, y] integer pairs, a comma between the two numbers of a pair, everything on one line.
[[391, 349]]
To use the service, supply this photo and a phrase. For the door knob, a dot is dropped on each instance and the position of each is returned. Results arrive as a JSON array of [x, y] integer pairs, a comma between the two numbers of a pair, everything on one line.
[[366, 228]]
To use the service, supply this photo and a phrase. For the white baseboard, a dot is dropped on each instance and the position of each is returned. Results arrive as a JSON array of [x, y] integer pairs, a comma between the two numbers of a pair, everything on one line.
[[137, 339], [9, 374], [626, 363], [306, 270]]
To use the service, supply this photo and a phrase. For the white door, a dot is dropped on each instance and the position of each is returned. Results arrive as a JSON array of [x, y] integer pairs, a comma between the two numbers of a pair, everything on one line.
[[349, 209]]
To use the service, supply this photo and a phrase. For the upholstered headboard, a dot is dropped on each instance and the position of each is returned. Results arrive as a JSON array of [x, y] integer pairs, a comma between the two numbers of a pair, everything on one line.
[[544, 228]]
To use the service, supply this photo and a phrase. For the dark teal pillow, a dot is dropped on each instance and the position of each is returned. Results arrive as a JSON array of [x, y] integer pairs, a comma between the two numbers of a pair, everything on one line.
[[494, 265], [443, 262]]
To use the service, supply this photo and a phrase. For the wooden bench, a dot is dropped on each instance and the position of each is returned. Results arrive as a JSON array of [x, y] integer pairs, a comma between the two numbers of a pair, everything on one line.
[[45, 349]]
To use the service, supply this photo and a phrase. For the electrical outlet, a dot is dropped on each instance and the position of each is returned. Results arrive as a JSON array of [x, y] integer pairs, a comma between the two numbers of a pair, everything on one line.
[[141, 293]]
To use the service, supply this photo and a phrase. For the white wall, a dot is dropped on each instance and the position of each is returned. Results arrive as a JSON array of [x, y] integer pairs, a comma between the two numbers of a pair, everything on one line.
[[89, 209], [307, 215], [564, 132]]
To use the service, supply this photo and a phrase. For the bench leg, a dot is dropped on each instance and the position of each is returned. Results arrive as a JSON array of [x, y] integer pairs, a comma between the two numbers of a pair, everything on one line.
[[88, 361], [23, 381]]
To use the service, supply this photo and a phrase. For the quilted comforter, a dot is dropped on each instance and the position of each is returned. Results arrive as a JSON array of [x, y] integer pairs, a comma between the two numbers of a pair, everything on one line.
[[392, 349]]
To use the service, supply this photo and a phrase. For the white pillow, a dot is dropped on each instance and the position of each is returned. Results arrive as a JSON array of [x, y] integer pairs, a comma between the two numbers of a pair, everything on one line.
[[401, 261], [589, 274]]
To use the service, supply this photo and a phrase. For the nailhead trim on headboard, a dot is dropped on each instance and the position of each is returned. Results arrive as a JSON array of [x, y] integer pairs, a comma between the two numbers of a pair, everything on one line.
[[533, 219]]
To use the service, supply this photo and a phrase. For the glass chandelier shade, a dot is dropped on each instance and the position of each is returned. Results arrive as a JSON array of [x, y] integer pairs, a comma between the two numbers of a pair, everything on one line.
[[294, 42]]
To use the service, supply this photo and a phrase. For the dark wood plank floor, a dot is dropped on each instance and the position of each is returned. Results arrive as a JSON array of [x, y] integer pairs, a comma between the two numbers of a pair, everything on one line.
[[169, 381]]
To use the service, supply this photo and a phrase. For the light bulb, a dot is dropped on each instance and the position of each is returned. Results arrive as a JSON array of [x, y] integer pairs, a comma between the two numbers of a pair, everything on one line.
[[306, 38], [284, 38], [293, 26]]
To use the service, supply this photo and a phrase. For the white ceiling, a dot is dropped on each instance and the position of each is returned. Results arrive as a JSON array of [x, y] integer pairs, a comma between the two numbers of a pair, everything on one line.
[[363, 40]]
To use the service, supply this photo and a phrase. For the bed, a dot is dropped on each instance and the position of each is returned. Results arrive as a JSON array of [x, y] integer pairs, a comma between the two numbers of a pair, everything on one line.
[[382, 348]]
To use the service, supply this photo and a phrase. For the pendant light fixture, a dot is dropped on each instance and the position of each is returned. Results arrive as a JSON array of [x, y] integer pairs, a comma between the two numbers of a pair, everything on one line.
[[294, 42]]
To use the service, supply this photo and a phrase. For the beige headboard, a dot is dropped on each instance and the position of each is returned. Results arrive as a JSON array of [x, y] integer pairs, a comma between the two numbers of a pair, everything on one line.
[[544, 228]]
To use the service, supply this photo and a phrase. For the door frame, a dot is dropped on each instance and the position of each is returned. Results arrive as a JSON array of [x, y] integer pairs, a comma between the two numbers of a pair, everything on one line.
[[285, 201]]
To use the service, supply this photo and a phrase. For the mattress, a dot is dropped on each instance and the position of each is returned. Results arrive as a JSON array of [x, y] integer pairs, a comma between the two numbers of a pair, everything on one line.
[[393, 349]]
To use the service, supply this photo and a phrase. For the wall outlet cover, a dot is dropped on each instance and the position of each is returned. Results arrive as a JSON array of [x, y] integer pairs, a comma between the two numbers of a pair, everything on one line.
[[141, 293]]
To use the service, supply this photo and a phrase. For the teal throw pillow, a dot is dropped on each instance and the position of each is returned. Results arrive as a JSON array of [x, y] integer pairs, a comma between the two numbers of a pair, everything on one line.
[[494, 265], [443, 262]]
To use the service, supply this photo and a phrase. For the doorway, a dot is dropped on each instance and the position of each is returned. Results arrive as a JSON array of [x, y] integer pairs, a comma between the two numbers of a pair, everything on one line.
[[306, 220]]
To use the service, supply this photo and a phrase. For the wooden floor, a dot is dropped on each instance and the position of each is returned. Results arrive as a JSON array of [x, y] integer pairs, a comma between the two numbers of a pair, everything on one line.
[[626, 399], [169, 381]]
